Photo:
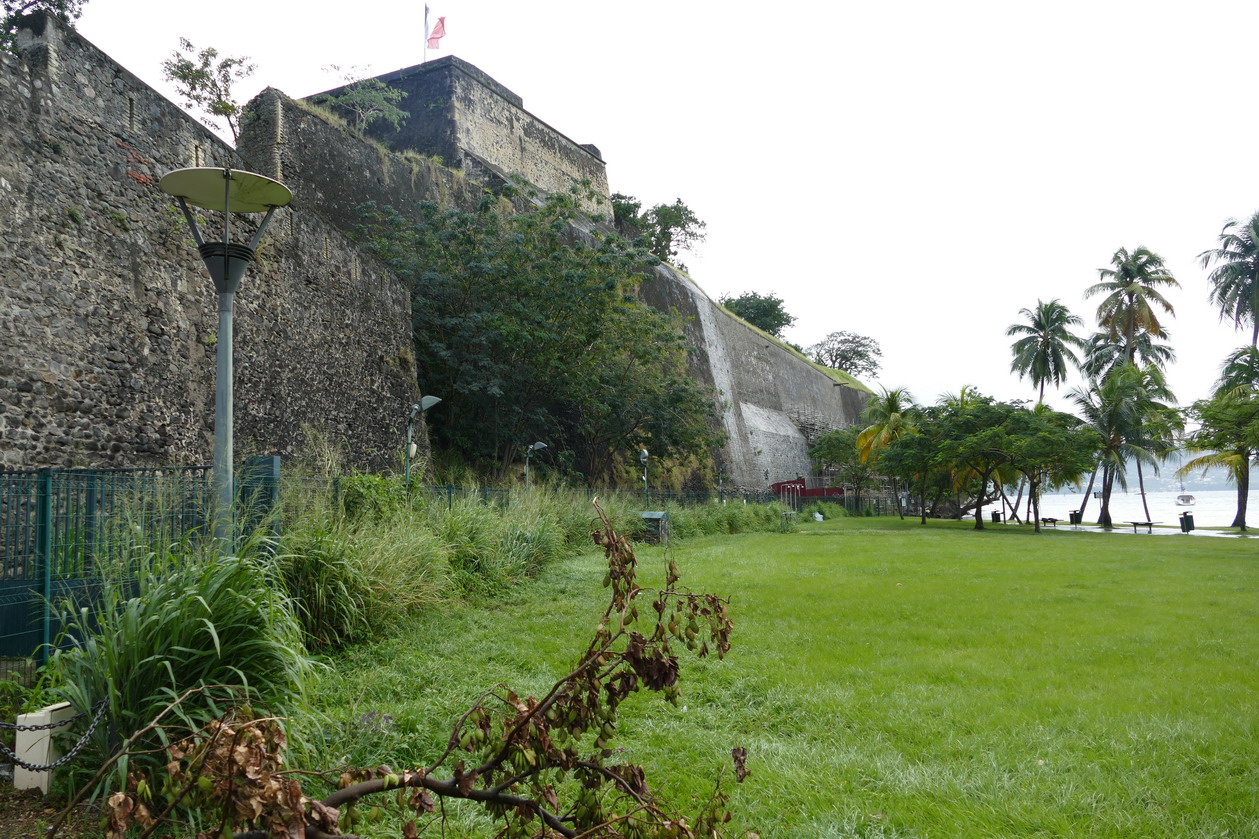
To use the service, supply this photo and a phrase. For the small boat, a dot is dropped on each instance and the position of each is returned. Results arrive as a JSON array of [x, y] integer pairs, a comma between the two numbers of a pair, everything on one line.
[[1185, 499]]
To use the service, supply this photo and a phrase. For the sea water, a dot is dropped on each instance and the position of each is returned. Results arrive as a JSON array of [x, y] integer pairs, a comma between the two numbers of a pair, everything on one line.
[[1212, 508]]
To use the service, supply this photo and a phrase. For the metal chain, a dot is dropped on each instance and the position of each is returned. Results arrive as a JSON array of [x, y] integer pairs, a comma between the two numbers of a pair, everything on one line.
[[100, 709], [8, 726]]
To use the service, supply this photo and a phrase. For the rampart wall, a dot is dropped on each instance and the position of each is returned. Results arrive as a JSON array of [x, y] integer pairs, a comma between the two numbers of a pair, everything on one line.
[[107, 319]]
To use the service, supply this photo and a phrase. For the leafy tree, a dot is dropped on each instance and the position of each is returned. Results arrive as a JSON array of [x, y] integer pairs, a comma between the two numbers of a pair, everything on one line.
[[1131, 296], [672, 228], [1227, 437], [531, 334], [205, 81], [1228, 426], [855, 354], [976, 441], [1235, 280], [626, 214], [837, 450], [915, 458], [365, 99], [666, 229], [1051, 449], [1046, 344], [11, 11], [764, 311]]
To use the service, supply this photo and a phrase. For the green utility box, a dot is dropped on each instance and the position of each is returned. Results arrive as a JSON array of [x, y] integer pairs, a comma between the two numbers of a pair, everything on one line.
[[655, 527]]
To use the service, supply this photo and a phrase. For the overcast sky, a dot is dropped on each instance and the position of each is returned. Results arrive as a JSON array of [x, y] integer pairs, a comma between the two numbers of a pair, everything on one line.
[[914, 171]]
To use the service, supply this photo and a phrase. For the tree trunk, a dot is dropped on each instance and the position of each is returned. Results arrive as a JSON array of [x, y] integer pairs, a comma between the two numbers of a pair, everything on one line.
[[1088, 493], [1033, 497], [979, 503], [1141, 483], [1108, 482], [1018, 499], [1014, 508], [896, 499], [1243, 493]]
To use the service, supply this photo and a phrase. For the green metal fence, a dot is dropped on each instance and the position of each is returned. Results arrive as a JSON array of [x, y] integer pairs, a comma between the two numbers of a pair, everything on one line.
[[59, 528]]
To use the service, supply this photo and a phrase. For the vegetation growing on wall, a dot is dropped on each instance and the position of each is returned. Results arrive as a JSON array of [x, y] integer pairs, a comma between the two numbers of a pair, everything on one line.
[[764, 311], [530, 334], [206, 83], [665, 230], [365, 100], [12, 10]]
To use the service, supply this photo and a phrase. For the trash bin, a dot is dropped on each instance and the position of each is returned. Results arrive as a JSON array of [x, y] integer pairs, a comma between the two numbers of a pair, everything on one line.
[[996, 517], [656, 530], [1186, 521], [1075, 516]]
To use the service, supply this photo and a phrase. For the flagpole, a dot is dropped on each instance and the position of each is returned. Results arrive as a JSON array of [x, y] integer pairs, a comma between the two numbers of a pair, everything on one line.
[[424, 58]]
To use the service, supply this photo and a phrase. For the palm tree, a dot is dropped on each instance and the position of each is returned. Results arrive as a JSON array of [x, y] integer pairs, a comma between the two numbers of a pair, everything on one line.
[[1113, 408], [1235, 280], [1158, 424], [1043, 351], [965, 397], [1240, 372], [889, 415], [1102, 354], [1131, 294]]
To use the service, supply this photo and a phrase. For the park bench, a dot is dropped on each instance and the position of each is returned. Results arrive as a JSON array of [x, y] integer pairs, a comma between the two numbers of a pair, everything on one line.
[[1148, 525], [1049, 520]]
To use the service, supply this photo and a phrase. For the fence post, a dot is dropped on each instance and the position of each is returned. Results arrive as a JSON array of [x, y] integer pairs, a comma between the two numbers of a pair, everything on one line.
[[450, 497], [260, 494], [43, 552]]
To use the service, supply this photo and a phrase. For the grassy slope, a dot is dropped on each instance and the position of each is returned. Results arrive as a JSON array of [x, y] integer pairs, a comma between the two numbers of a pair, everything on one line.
[[893, 680]]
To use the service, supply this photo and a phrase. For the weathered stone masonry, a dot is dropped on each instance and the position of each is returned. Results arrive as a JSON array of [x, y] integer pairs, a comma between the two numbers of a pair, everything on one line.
[[107, 320]]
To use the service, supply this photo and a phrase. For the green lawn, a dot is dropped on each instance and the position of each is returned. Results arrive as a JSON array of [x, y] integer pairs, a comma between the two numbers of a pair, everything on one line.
[[894, 680]]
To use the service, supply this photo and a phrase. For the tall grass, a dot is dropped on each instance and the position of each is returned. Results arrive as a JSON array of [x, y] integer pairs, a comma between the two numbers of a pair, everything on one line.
[[168, 622]]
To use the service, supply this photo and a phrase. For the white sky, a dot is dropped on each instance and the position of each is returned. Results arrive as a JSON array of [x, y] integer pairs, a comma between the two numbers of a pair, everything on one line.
[[913, 171]]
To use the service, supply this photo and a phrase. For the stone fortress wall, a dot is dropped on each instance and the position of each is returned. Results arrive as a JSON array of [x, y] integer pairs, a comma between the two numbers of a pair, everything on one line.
[[476, 125], [107, 319]]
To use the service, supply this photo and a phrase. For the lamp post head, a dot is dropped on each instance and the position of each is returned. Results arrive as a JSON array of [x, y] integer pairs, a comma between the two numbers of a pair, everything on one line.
[[537, 447], [226, 190], [642, 457], [428, 402]]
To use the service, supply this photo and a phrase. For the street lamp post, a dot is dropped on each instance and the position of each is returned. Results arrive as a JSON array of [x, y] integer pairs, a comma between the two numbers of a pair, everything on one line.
[[225, 191], [536, 447], [642, 458], [418, 408]]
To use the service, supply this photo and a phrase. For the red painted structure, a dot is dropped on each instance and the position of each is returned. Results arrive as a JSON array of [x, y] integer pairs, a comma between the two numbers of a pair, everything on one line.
[[799, 489]]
